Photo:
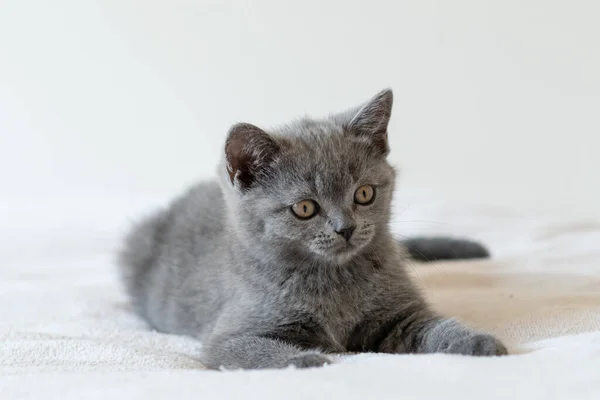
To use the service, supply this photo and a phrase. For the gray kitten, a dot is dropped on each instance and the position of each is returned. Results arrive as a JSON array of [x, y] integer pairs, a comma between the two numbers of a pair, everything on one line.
[[290, 256]]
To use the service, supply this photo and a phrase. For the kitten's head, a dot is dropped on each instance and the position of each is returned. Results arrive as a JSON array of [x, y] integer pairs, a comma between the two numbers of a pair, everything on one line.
[[316, 189]]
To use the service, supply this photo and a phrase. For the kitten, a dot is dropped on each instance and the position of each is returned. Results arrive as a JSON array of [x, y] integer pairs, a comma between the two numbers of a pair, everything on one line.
[[289, 256]]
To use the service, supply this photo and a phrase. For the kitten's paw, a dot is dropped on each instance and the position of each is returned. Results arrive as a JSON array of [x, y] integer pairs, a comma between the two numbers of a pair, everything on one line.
[[476, 344], [309, 360]]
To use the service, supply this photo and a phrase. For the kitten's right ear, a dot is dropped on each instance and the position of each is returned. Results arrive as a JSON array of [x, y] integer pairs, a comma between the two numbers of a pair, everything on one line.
[[371, 121], [249, 151]]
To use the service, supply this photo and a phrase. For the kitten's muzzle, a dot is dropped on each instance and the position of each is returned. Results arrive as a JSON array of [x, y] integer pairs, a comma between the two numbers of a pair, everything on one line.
[[346, 232]]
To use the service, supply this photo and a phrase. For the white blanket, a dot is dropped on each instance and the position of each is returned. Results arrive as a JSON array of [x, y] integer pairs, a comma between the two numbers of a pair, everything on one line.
[[67, 331]]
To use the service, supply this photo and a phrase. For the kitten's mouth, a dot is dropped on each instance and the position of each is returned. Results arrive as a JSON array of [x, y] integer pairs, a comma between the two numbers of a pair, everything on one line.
[[345, 249], [342, 251]]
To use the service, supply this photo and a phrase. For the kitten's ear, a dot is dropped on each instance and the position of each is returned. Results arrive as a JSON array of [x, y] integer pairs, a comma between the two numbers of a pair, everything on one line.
[[248, 150], [371, 121]]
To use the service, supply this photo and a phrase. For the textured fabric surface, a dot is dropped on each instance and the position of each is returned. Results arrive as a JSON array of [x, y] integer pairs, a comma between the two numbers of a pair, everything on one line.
[[67, 331]]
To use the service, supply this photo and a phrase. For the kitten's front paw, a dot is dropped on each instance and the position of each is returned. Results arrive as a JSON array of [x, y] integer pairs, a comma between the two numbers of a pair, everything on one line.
[[309, 360], [476, 344]]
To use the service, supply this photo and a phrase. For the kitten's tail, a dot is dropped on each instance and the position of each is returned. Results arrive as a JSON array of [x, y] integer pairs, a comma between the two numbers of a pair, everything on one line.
[[443, 248], [138, 256]]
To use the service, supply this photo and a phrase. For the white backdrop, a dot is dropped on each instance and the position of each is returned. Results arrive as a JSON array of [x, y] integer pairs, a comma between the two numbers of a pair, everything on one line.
[[497, 102]]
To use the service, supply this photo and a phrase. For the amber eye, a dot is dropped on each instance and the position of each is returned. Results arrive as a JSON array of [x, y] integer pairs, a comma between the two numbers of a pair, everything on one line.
[[364, 195], [305, 209]]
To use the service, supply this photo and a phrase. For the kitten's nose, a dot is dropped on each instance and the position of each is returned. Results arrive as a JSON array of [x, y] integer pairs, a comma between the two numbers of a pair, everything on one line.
[[346, 232]]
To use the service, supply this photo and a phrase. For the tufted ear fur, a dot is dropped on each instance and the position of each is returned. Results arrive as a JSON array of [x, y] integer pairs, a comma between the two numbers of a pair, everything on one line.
[[248, 150], [372, 119]]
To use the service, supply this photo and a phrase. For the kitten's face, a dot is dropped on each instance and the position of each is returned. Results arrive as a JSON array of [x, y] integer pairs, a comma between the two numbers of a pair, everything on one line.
[[326, 196], [316, 189]]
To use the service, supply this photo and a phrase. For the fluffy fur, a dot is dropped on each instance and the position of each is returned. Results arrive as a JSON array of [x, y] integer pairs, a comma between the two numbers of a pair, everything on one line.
[[229, 262]]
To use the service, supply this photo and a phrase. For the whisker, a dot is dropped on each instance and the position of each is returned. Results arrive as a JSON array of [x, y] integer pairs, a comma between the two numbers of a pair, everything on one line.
[[411, 265], [423, 221], [409, 260]]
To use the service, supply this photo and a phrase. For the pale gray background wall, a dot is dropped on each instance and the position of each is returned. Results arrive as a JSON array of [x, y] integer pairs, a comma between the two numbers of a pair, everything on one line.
[[497, 102]]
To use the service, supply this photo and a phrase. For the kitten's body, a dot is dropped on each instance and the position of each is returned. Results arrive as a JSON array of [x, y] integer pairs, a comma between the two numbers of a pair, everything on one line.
[[197, 271], [229, 264]]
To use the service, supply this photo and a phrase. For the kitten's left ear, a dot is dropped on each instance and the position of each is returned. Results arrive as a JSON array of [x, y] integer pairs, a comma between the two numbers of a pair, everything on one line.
[[249, 152], [371, 121]]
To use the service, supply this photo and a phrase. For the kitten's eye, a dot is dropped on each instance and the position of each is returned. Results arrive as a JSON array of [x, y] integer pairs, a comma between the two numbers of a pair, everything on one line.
[[305, 209], [364, 195]]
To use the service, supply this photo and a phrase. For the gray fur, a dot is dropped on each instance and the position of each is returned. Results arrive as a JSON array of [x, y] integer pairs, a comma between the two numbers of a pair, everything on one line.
[[230, 264], [444, 248]]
